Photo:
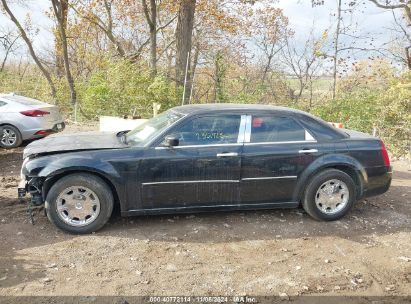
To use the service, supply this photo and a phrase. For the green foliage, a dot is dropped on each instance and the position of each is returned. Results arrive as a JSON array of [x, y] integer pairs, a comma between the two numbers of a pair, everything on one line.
[[220, 75], [123, 88], [118, 87], [388, 109]]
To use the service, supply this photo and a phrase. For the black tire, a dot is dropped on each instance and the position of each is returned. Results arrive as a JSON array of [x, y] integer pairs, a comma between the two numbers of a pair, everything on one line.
[[94, 183], [18, 137], [319, 179]]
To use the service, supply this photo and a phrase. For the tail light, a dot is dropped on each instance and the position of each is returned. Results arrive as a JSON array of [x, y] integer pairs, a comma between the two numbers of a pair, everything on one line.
[[42, 132], [35, 113], [385, 156]]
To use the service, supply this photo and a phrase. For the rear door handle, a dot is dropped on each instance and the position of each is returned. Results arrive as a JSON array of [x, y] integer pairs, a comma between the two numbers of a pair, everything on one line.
[[308, 151], [227, 154]]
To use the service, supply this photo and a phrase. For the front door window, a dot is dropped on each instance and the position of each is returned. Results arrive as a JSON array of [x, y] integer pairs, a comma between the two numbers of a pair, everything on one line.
[[209, 130]]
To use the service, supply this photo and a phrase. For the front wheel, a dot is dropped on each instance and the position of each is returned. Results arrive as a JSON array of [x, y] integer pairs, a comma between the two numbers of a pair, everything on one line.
[[79, 203], [329, 195]]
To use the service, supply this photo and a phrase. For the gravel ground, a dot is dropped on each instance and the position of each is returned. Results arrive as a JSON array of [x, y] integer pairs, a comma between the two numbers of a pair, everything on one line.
[[279, 252]]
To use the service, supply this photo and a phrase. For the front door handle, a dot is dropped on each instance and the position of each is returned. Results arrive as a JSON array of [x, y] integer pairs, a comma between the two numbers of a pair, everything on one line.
[[308, 151], [227, 154]]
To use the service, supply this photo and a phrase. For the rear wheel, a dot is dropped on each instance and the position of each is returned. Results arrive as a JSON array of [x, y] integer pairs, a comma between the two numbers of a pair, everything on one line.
[[11, 137], [329, 195], [79, 203]]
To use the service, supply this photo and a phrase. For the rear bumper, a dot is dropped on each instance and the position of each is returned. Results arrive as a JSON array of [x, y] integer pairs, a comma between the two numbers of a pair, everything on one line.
[[41, 132], [379, 181]]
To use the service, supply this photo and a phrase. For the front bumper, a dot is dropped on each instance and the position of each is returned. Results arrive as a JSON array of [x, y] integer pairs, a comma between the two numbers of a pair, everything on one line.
[[33, 186], [22, 188]]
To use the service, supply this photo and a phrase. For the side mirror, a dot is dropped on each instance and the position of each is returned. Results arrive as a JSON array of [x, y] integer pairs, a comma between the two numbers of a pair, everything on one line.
[[171, 141]]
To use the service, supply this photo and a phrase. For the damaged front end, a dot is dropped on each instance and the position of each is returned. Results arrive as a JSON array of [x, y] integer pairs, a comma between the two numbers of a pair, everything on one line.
[[33, 186]]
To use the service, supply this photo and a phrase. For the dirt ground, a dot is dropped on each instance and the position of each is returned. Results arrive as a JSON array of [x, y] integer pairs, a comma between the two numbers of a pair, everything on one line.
[[281, 252]]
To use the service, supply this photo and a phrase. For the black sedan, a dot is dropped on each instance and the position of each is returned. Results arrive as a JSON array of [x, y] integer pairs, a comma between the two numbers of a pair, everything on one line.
[[205, 158]]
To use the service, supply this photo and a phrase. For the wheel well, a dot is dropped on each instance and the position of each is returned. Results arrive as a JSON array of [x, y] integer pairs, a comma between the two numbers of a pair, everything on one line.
[[48, 183], [7, 124], [352, 173]]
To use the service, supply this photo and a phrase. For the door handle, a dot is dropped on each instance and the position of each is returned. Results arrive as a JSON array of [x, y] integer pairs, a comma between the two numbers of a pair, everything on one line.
[[308, 151], [227, 154]]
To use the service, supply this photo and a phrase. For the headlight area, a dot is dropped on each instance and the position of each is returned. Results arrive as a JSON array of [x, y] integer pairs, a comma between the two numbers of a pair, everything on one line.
[[32, 185]]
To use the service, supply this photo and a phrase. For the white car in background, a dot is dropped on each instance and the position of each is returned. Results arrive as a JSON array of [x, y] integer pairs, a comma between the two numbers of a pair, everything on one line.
[[23, 118]]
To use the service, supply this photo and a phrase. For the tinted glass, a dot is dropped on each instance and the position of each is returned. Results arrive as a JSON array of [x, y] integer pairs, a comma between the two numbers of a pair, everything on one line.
[[2, 103], [275, 129], [209, 130], [321, 129]]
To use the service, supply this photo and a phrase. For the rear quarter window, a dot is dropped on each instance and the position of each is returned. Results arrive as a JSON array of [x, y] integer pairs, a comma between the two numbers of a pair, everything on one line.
[[320, 129], [2, 103]]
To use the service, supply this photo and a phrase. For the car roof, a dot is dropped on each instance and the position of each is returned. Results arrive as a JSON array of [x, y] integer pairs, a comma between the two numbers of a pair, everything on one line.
[[21, 100], [217, 107], [195, 109]]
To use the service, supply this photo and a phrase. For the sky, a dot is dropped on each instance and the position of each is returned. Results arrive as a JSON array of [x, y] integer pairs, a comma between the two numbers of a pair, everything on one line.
[[373, 21]]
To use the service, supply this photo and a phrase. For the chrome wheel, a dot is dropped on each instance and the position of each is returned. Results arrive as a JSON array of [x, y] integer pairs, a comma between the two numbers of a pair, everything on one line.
[[78, 206], [9, 137], [332, 196]]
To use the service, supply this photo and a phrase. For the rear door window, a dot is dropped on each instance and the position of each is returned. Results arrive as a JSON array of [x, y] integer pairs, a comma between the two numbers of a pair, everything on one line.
[[277, 129]]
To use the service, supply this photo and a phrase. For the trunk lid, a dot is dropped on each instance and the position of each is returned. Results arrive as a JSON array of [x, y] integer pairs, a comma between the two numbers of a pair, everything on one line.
[[358, 135]]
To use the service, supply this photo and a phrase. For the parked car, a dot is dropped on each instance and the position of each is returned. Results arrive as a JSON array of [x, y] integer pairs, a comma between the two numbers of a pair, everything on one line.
[[205, 158], [24, 118]]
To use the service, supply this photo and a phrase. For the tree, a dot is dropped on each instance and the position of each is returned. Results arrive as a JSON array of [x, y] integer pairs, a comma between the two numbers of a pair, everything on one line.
[[151, 17], [403, 30], [60, 8], [59, 53], [29, 44], [336, 49], [184, 33], [8, 41], [395, 4], [85, 11], [406, 41], [269, 30], [303, 63]]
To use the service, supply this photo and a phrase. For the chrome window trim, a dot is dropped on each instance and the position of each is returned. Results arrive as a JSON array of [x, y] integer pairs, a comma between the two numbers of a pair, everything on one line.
[[241, 131], [247, 136], [244, 136], [193, 182], [280, 142], [268, 178], [200, 146]]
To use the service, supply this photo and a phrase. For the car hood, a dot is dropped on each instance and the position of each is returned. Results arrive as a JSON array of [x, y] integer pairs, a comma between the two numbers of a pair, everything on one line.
[[74, 142]]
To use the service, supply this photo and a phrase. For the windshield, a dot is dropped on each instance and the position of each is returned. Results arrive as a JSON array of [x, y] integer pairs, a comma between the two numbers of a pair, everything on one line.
[[147, 131]]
